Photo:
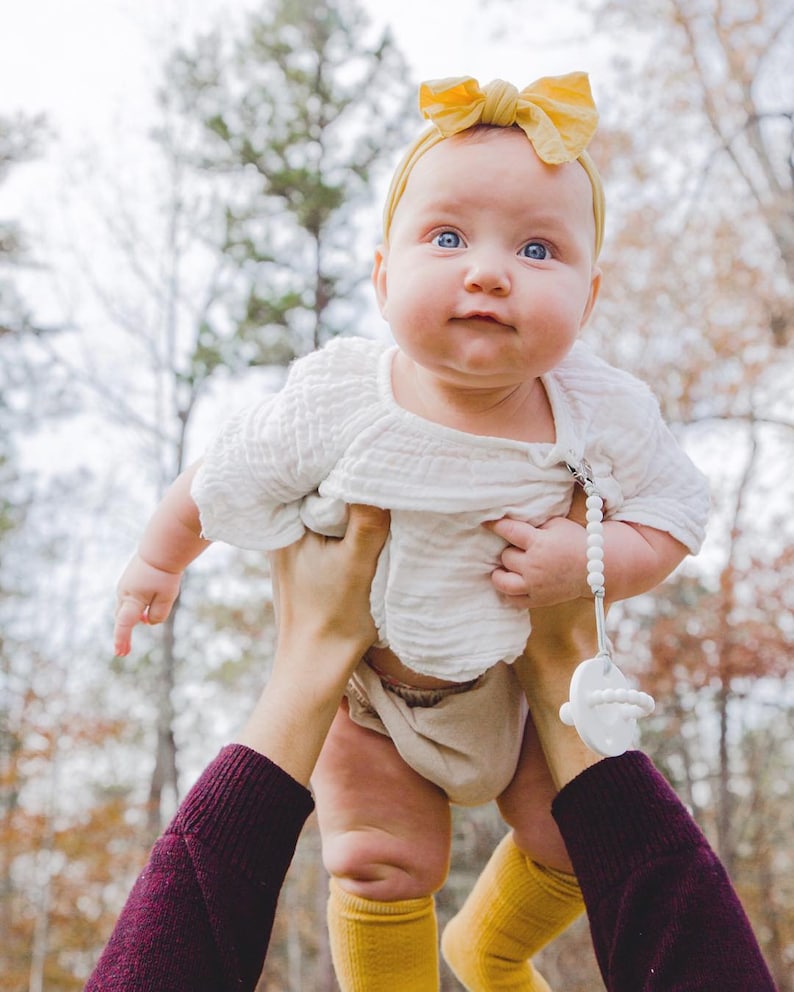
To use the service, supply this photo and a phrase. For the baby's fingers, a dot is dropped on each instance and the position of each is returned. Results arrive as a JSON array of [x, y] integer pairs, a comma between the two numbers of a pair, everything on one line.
[[158, 610], [516, 532], [128, 613], [512, 586]]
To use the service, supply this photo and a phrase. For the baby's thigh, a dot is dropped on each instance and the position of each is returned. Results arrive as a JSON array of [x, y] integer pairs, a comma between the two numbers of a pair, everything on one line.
[[526, 806], [385, 829]]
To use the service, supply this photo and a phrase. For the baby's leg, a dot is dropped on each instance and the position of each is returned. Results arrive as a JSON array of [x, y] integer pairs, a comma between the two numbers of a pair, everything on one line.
[[526, 806], [524, 896], [386, 839]]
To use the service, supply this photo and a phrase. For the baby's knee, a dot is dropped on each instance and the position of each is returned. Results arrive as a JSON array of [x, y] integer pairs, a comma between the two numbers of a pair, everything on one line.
[[526, 807], [376, 865], [540, 841]]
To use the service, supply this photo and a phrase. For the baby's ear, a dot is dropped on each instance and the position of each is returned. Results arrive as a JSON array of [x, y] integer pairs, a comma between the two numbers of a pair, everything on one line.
[[379, 278]]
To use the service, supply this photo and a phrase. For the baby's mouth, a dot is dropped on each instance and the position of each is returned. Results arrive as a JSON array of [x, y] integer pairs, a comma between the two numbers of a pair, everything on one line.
[[483, 318]]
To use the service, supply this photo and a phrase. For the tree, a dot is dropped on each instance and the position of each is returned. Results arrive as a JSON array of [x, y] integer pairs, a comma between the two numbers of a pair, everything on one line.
[[20, 139], [17, 142], [53, 875], [296, 116]]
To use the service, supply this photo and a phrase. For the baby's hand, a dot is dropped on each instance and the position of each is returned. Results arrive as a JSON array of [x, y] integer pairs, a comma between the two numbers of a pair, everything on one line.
[[145, 594], [541, 566]]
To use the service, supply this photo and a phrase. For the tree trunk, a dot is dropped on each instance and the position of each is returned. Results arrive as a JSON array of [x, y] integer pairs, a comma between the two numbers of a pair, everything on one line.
[[164, 786], [724, 797]]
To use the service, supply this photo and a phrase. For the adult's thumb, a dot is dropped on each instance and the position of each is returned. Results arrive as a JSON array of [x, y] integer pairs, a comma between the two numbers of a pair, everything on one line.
[[367, 527]]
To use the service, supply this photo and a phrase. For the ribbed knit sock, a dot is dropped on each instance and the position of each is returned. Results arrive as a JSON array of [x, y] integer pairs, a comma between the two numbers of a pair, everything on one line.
[[383, 946], [515, 908]]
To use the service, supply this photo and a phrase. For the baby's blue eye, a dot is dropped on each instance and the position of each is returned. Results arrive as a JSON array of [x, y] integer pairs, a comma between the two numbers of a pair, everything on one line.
[[536, 250], [447, 239]]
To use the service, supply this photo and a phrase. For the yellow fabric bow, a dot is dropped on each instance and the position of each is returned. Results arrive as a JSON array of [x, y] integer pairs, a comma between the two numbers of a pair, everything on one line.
[[556, 113]]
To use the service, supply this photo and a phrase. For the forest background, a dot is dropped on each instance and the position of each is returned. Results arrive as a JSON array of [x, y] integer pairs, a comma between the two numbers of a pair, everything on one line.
[[155, 294]]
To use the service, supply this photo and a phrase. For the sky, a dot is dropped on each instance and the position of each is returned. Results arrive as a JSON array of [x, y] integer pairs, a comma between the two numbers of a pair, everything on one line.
[[90, 64]]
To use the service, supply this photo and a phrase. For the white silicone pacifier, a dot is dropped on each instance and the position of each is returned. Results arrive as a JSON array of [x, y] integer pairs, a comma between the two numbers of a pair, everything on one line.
[[601, 707]]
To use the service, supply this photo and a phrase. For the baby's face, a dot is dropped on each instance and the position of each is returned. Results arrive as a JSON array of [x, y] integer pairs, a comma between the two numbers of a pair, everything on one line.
[[489, 272]]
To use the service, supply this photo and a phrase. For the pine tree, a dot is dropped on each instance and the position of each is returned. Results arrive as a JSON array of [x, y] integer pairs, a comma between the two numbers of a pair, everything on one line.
[[293, 119]]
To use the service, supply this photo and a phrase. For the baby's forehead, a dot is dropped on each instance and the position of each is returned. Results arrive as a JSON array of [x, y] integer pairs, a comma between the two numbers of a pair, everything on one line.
[[483, 156], [483, 136]]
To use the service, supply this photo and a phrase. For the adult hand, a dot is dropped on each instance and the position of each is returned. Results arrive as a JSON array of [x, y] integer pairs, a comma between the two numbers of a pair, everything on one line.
[[321, 590], [562, 637], [321, 584]]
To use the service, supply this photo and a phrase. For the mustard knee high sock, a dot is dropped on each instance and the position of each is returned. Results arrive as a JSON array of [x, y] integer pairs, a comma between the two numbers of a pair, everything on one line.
[[383, 946], [514, 909]]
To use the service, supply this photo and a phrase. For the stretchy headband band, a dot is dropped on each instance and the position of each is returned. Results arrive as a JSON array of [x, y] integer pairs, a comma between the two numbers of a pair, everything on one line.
[[556, 113]]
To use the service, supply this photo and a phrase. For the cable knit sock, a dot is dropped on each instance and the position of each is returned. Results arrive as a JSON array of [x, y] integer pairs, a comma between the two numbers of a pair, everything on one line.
[[515, 908], [383, 946]]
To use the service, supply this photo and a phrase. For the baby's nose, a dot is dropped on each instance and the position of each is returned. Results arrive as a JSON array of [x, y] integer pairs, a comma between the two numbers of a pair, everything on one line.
[[487, 276]]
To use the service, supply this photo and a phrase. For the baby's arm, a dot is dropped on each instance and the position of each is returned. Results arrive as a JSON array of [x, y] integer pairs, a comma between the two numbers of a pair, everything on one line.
[[150, 583], [547, 565]]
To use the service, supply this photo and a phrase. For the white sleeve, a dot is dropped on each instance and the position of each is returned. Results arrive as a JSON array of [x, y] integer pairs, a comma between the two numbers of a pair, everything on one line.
[[653, 481], [263, 462]]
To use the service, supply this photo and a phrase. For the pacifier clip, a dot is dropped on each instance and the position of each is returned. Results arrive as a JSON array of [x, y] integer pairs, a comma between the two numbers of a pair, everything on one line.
[[601, 706]]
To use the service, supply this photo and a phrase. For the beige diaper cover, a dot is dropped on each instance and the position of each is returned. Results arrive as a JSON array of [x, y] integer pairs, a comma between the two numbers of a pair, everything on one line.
[[465, 739]]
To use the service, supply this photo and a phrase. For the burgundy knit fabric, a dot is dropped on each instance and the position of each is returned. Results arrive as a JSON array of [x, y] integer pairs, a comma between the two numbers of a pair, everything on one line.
[[663, 914], [200, 914]]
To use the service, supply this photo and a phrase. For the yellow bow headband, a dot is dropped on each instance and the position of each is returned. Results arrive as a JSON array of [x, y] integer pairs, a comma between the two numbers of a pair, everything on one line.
[[556, 113]]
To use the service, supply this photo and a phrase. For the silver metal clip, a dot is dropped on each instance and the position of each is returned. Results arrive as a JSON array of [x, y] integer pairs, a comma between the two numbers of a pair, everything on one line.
[[583, 474]]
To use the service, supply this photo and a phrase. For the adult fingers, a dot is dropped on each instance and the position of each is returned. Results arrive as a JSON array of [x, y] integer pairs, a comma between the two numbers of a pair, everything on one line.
[[578, 510], [367, 528]]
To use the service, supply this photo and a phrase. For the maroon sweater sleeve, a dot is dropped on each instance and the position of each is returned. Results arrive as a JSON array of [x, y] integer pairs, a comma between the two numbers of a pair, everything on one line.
[[663, 913], [200, 914]]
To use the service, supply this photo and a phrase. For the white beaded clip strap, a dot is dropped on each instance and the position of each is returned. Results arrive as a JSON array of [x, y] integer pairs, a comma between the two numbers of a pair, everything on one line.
[[601, 707]]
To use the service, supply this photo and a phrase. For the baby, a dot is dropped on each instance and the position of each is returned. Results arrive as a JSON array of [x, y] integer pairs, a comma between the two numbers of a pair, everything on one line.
[[486, 275]]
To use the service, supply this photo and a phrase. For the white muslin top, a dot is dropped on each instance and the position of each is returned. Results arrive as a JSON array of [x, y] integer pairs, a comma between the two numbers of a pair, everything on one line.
[[334, 435]]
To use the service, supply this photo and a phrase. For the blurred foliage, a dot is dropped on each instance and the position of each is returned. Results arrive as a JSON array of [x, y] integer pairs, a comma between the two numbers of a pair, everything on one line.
[[281, 118]]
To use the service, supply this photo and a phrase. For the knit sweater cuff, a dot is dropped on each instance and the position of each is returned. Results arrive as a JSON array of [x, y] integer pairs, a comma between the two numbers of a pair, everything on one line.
[[619, 813], [246, 809]]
